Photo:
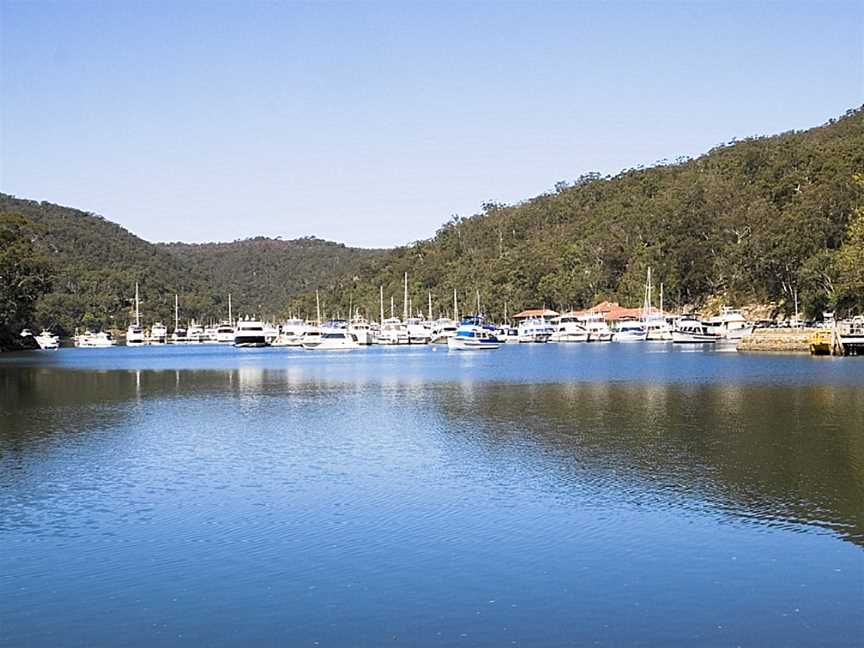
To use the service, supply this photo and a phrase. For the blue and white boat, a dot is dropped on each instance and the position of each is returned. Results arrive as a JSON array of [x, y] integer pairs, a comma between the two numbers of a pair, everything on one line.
[[472, 335]]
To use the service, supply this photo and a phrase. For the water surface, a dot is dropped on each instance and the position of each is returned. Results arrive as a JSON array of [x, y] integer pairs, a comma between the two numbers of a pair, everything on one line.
[[536, 496]]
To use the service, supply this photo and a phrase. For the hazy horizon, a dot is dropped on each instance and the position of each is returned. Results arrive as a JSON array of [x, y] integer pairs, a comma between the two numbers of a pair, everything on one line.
[[371, 124]]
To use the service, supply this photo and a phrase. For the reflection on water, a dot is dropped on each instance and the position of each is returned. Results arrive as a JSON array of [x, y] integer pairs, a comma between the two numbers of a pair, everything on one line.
[[422, 497]]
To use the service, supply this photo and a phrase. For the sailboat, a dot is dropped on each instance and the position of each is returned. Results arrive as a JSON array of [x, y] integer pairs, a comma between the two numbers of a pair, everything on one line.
[[654, 322], [179, 336], [135, 333]]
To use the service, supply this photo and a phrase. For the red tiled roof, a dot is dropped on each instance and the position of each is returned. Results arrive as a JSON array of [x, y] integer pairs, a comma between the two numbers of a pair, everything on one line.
[[536, 312]]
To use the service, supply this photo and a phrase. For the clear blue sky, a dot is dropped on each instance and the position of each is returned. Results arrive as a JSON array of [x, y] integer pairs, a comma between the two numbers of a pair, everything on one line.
[[372, 123]]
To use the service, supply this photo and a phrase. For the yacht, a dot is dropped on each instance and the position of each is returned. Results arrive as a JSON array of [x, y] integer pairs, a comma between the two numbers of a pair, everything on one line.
[[507, 333], [47, 340], [393, 332], [311, 337], [211, 335], [158, 334], [442, 329], [291, 333], [598, 329], [535, 329], [135, 333], [851, 334], [630, 331], [690, 330], [332, 340], [657, 328], [195, 333], [90, 340], [271, 332], [472, 335], [568, 328], [249, 333], [180, 335], [362, 331], [225, 333], [418, 330], [729, 325]]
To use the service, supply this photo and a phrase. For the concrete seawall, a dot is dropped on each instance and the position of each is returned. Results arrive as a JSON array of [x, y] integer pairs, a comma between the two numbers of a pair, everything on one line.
[[783, 340]]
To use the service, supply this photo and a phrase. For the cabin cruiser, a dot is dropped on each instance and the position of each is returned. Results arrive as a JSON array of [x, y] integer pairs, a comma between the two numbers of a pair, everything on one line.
[[249, 333], [332, 340], [568, 328], [442, 329], [195, 333], [291, 333], [393, 332], [270, 333], [729, 325], [90, 340], [851, 334], [419, 331], [657, 328], [135, 335], [211, 335], [691, 330], [158, 334], [311, 337], [472, 335], [225, 333], [535, 329], [630, 331], [361, 330], [180, 336], [47, 340], [598, 329], [506, 333]]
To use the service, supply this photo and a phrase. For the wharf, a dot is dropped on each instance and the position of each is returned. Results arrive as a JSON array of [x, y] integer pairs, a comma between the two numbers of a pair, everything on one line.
[[780, 340]]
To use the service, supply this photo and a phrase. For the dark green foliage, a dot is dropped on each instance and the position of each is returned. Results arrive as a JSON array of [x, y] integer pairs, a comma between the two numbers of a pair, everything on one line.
[[24, 277], [754, 221]]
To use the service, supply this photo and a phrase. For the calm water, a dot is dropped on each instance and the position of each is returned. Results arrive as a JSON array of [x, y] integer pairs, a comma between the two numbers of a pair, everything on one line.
[[533, 496]]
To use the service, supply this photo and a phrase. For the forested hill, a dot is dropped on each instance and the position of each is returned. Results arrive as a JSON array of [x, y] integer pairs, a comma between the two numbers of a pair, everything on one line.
[[264, 274], [95, 263], [756, 220]]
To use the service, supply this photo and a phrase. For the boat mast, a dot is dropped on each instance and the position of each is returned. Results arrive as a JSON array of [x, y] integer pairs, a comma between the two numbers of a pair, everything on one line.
[[455, 307], [661, 300], [430, 305], [137, 313], [478, 302], [381, 291], [230, 318], [176, 311], [317, 307], [392, 306], [405, 299]]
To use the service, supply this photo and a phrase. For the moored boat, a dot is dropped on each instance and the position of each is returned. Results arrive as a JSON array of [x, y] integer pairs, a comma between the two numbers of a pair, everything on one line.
[[689, 330], [567, 328], [47, 340], [333, 340], [630, 331], [249, 333], [472, 335], [91, 340]]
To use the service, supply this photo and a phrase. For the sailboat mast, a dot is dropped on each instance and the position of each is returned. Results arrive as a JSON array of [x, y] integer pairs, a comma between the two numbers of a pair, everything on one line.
[[455, 307], [317, 307], [381, 291], [430, 305], [230, 317], [176, 311], [137, 312], [392, 306], [405, 299]]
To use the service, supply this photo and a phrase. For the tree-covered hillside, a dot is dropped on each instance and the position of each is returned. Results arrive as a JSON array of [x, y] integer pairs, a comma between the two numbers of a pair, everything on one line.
[[752, 221], [95, 263], [264, 274]]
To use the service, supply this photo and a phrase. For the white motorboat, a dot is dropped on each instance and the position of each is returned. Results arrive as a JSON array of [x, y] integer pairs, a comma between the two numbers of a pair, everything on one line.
[[535, 329], [419, 332], [332, 340], [729, 325], [362, 331], [211, 335], [630, 331], [506, 333], [249, 333], [568, 328], [90, 340], [311, 337], [472, 335], [180, 334], [195, 334], [158, 334], [393, 332], [689, 330], [290, 333], [225, 333], [135, 333], [47, 340], [598, 329], [851, 334], [442, 329], [271, 332]]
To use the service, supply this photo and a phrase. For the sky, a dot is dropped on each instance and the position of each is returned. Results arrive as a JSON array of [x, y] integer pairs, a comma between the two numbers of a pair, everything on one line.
[[372, 123]]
